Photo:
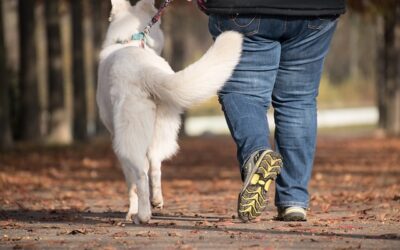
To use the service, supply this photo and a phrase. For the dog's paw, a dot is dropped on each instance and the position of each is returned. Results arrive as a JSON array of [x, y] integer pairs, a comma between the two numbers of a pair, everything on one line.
[[157, 200], [157, 204], [136, 220], [130, 216], [143, 217]]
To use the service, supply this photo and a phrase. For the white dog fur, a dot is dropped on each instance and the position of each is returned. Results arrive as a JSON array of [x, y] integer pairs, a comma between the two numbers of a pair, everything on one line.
[[140, 98]]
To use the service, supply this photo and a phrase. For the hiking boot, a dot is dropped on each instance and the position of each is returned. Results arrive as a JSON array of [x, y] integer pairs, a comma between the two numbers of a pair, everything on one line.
[[258, 172], [292, 214]]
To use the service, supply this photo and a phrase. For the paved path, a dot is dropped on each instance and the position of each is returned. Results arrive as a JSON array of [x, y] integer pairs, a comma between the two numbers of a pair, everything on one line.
[[75, 198]]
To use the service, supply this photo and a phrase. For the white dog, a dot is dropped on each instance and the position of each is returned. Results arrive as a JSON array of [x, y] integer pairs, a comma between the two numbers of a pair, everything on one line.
[[140, 98]]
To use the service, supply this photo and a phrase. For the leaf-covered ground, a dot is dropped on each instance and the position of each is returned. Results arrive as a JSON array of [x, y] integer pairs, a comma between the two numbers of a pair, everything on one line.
[[75, 197]]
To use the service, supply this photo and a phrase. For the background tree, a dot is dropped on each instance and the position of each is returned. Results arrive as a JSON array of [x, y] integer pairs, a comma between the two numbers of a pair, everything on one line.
[[389, 70], [28, 114], [387, 17], [59, 126], [80, 111], [5, 128], [89, 63], [100, 14]]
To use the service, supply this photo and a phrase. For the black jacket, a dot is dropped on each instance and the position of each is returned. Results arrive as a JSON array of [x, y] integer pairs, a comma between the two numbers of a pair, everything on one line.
[[275, 7]]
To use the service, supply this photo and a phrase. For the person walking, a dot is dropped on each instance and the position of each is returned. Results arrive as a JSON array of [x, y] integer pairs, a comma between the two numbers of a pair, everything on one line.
[[285, 44]]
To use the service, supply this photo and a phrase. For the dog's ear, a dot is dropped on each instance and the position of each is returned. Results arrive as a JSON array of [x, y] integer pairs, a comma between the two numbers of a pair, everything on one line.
[[119, 2], [147, 6], [119, 5]]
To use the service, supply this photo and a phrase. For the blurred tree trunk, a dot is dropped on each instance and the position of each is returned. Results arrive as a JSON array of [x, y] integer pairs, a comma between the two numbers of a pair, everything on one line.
[[89, 62], [79, 86], [354, 46], [388, 84], [380, 74], [29, 120], [42, 66], [59, 127], [175, 50], [67, 57], [100, 18], [5, 128]]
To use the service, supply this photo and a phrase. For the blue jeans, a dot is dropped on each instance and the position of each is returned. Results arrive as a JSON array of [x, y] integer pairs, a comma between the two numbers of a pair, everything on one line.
[[281, 63]]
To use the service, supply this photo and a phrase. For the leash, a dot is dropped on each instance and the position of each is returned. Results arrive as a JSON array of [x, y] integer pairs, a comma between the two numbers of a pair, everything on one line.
[[142, 36]]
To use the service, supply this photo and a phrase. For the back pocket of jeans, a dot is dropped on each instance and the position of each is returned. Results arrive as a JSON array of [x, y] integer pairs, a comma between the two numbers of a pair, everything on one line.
[[245, 24]]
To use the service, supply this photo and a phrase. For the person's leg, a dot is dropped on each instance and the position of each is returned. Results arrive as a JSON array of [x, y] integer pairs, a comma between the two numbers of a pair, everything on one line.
[[245, 99], [294, 102]]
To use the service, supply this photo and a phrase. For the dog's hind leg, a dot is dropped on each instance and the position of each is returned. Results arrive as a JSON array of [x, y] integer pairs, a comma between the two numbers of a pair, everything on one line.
[[133, 203], [132, 191], [133, 131], [157, 200], [163, 146]]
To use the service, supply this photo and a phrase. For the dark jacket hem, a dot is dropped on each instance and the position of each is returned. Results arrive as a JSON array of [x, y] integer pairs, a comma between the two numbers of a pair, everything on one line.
[[276, 11]]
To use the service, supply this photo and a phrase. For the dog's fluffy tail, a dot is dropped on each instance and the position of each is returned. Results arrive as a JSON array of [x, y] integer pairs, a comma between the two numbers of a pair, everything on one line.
[[204, 78]]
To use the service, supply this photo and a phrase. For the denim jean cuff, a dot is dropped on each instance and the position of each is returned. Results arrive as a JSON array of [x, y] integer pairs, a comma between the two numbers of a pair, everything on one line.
[[291, 204]]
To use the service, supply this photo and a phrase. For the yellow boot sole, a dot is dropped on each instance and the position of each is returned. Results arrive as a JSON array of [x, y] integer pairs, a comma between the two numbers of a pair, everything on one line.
[[253, 196]]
